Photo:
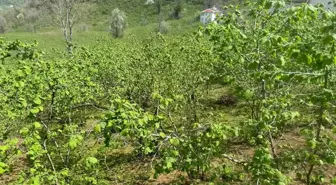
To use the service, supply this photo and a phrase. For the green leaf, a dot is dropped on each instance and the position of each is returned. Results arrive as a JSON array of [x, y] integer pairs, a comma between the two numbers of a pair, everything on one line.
[[163, 135], [35, 110], [248, 94], [269, 5], [175, 153], [2, 171], [3, 165], [3, 149], [37, 125], [312, 143], [169, 165], [295, 114], [254, 65], [24, 131], [74, 141], [20, 73], [242, 35], [282, 61], [148, 150], [21, 84], [37, 101], [72, 144], [174, 141], [97, 129], [92, 160], [333, 180], [23, 102], [65, 172], [3, 168], [329, 39]]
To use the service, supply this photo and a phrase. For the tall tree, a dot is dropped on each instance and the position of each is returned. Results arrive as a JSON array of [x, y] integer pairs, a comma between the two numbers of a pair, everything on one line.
[[118, 23], [3, 25], [156, 3], [178, 9], [65, 14]]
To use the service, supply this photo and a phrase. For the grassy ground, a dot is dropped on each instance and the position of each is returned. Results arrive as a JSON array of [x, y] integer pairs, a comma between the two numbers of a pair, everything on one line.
[[50, 40]]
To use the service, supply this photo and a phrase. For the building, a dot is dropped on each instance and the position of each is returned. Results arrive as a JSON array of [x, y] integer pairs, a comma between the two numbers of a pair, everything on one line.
[[209, 15], [327, 3]]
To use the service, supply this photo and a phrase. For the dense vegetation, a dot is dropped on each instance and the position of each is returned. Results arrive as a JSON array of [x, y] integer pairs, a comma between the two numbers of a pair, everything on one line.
[[247, 100]]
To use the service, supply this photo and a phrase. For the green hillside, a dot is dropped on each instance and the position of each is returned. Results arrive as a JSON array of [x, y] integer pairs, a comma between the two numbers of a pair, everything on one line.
[[97, 16], [94, 24]]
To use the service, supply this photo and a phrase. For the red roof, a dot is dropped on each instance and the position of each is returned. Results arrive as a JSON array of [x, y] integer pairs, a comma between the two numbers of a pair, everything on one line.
[[211, 10]]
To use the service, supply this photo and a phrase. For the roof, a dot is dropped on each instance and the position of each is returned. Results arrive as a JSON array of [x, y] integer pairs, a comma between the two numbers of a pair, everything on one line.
[[211, 10]]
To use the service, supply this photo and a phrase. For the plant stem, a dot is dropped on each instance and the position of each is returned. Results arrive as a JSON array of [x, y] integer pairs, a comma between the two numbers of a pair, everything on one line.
[[50, 160], [319, 126]]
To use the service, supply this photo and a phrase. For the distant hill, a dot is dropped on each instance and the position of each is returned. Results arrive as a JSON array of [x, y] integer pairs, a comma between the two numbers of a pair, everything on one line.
[[7, 4], [11, 2], [138, 14]]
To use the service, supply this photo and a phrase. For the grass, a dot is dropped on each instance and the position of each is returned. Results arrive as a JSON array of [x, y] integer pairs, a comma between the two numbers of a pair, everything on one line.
[[49, 41], [138, 12], [142, 21]]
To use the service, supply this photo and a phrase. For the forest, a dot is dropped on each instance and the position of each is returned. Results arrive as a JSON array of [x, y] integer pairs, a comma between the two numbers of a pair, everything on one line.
[[248, 99]]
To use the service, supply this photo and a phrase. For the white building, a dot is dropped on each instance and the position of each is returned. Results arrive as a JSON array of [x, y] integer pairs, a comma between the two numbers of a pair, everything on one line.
[[209, 15], [327, 3]]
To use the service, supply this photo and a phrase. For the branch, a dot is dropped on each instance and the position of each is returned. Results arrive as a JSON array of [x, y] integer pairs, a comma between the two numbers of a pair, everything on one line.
[[90, 105], [50, 160], [244, 163], [56, 144]]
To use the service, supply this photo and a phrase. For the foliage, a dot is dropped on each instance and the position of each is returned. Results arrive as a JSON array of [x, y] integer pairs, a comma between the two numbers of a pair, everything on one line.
[[277, 55], [35, 93], [155, 97]]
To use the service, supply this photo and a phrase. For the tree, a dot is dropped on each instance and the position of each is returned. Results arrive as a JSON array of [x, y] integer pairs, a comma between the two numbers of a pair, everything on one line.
[[66, 13], [38, 4], [118, 23], [3, 25], [217, 3], [156, 3], [31, 17], [209, 3], [163, 27], [177, 9]]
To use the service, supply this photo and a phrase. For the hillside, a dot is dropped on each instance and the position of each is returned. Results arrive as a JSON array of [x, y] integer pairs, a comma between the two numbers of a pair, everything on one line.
[[97, 13], [138, 13], [7, 4], [142, 19]]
